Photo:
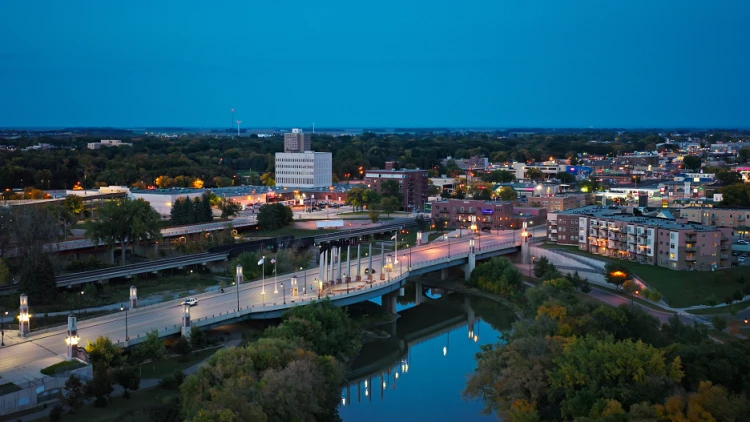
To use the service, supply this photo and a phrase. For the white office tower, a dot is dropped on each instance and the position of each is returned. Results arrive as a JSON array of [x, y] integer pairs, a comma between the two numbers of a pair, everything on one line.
[[307, 169]]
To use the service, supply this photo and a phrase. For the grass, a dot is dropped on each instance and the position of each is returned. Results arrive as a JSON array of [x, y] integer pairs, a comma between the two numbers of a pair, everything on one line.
[[140, 399], [680, 288], [67, 365], [174, 364]]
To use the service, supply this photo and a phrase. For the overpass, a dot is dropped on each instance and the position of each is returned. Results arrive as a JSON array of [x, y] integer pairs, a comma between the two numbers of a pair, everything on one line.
[[260, 299]]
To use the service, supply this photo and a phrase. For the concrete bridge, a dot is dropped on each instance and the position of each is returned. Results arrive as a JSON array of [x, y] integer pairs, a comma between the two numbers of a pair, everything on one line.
[[260, 299]]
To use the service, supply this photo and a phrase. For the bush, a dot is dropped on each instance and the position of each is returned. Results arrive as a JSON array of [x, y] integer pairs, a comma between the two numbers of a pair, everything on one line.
[[56, 413], [182, 346], [197, 338], [172, 382]]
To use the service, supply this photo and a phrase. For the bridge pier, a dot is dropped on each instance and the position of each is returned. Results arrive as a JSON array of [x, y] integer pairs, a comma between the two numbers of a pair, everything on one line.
[[382, 260], [338, 258], [133, 297], [388, 301], [23, 317], [369, 275], [420, 297], [443, 274], [185, 329], [469, 267], [359, 262]]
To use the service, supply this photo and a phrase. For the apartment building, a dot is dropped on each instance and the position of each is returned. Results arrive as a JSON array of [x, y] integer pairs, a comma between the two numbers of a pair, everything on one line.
[[413, 184], [611, 231], [719, 217], [297, 141], [476, 162]]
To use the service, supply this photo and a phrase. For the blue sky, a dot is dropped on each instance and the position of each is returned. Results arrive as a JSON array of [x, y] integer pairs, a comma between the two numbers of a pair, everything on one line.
[[500, 63]]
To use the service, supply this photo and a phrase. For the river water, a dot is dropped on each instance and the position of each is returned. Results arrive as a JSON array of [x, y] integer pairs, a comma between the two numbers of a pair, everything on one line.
[[419, 373]]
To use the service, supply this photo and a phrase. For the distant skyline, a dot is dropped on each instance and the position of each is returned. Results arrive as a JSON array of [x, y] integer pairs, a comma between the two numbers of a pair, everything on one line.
[[547, 63]]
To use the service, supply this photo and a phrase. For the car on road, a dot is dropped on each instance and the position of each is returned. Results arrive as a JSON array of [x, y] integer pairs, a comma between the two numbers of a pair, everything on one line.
[[741, 259], [743, 242], [190, 302]]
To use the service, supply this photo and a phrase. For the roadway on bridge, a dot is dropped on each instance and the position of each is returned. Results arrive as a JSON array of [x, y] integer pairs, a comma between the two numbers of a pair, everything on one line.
[[22, 358]]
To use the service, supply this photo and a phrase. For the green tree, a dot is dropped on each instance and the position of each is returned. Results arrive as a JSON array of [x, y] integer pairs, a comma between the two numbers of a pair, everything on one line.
[[744, 155], [119, 222], [719, 322], [74, 204], [498, 275], [692, 162], [104, 354], [274, 216], [545, 270], [128, 377], [373, 215], [615, 273], [268, 179], [354, 198], [499, 176], [565, 177], [73, 394], [534, 174], [4, 273], [388, 204], [152, 348], [100, 387], [37, 280], [229, 208], [179, 215], [197, 338], [507, 193]]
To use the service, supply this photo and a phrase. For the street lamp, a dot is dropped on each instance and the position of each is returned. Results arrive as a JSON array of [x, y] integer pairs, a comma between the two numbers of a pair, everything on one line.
[[2, 329], [122, 308], [79, 303], [304, 288], [532, 264]]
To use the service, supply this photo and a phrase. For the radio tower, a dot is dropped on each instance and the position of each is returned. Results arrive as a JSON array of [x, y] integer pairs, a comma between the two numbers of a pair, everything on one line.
[[238, 127], [231, 122]]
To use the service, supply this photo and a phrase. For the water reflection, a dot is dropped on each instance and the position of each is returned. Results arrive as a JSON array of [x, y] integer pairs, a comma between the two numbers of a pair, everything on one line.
[[419, 372]]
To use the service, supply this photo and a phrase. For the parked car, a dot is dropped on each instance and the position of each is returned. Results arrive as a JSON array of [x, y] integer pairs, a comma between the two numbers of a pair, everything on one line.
[[741, 259], [743, 242], [190, 302]]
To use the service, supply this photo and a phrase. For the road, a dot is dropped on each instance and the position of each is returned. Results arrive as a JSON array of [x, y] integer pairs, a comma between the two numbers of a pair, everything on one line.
[[22, 358]]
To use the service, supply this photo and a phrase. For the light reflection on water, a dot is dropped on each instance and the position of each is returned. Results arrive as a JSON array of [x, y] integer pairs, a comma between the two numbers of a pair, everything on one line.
[[423, 374]]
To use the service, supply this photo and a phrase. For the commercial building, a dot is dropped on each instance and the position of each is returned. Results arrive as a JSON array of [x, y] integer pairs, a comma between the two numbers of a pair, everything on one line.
[[307, 169], [297, 141], [161, 200], [475, 162], [557, 203], [615, 232], [488, 215], [412, 184]]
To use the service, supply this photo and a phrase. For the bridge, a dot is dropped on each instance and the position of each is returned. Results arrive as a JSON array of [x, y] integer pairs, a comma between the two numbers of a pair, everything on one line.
[[260, 299]]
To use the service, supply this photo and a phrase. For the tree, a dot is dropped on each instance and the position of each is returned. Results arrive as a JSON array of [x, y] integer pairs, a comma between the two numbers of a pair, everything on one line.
[[268, 179], [373, 215], [152, 348], [565, 177], [100, 387], [499, 176], [4, 273], [483, 194], [615, 273], [388, 204], [127, 220], [507, 193], [354, 198], [104, 354], [73, 394], [719, 322], [744, 155], [736, 195], [197, 338], [498, 275], [74, 204], [534, 174], [545, 270], [37, 280], [128, 377], [229, 208], [179, 214], [274, 216], [709, 403], [692, 162]]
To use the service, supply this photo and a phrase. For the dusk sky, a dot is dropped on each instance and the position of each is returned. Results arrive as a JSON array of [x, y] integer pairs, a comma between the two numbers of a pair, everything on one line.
[[375, 64]]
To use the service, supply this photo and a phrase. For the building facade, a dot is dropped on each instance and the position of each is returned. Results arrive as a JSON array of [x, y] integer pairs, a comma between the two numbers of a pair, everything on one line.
[[304, 169], [719, 217], [457, 213], [672, 244], [475, 162], [413, 185], [557, 203], [297, 141]]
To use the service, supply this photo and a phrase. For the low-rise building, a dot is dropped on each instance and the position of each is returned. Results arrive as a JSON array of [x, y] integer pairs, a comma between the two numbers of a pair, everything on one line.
[[615, 232], [475, 162], [718, 217], [457, 213], [557, 203]]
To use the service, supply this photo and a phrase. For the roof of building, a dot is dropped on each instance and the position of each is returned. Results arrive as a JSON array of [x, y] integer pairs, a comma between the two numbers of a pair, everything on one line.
[[616, 213]]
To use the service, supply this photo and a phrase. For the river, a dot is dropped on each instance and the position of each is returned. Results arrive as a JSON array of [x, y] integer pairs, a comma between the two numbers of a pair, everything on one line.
[[419, 373]]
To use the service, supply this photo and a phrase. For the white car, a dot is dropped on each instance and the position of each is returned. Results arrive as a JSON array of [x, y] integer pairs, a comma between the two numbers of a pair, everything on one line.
[[190, 302], [741, 259], [743, 242]]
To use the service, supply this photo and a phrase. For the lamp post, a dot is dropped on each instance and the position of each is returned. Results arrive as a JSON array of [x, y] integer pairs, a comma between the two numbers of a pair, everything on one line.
[[304, 288], [79, 302], [532, 264], [122, 308], [632, 296], [239, 276], [2, 328]]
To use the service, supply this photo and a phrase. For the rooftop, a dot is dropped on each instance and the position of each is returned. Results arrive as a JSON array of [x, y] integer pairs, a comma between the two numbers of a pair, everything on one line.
[[616, 213]]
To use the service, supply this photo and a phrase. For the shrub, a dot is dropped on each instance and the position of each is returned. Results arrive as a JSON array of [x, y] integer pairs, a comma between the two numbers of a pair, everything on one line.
[[172, 382], [182, 346]]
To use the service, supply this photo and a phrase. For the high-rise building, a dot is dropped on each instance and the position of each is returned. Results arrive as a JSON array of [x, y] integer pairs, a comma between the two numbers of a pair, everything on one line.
[[304, 169], [412, 185], [297, 141]]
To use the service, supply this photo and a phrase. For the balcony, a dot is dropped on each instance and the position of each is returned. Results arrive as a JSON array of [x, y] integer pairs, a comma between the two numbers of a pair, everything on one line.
[[631, 238], [690, 247], [553, 230], [690, 257], [642, 241], [692, 237]]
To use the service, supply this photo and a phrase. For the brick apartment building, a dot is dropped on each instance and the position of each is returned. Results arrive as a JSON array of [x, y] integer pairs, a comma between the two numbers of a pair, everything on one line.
[[557, 203], [297, 141], [719, 217], [456, 213], [413, 184], [673, 244]]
